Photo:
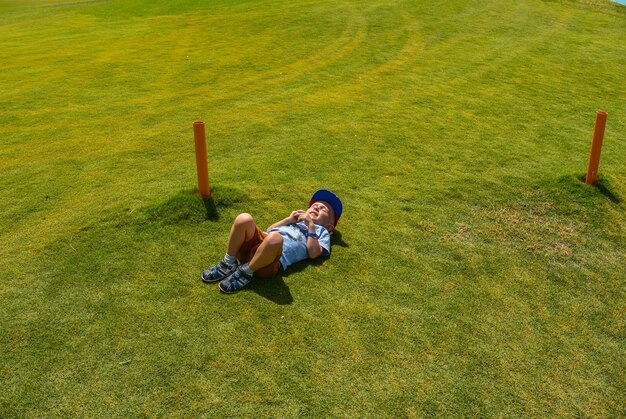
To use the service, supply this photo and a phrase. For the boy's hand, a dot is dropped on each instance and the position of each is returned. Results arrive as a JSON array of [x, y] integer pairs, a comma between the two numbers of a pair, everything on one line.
[[297, 215], [307, 219], [304, 216]]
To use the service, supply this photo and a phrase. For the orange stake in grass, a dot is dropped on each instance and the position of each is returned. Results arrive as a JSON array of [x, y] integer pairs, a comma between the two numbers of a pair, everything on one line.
[[201, 160], [596, 147]]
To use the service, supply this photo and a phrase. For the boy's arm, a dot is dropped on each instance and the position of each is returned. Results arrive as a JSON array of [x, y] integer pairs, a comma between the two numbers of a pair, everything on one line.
[[312, 244], [293, 218]]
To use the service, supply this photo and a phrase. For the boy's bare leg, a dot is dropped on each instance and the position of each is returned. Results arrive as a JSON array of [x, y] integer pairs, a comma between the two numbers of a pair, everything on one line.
[[243, 229], [268, 251]]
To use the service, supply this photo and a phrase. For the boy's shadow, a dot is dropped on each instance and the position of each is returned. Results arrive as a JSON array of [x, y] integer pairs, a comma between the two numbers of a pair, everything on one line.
[[276, 290], [337, 240]]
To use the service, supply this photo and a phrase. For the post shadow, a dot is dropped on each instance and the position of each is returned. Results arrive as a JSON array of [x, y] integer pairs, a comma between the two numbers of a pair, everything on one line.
[[604, 187], [604, 190], [210, 208]]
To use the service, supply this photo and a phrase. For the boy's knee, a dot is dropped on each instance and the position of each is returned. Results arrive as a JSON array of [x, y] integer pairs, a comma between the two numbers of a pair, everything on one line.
[[274, 239], [244, 218]]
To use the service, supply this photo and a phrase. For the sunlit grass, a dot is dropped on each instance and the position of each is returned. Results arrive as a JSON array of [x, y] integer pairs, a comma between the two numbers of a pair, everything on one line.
[[473, 272]]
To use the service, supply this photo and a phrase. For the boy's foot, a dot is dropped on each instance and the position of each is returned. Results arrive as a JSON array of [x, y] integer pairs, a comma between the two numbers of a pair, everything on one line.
[[235, 282], [218, 272]]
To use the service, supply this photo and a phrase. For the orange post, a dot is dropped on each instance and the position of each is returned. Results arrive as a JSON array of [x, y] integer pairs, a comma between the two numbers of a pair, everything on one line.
[[201, 164], [596, 147]]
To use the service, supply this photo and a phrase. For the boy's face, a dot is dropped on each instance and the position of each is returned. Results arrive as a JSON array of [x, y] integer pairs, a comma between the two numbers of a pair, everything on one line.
[[322, 214]]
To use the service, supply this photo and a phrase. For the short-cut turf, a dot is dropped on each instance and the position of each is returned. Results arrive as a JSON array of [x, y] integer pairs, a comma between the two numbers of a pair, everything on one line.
[[473, 273]]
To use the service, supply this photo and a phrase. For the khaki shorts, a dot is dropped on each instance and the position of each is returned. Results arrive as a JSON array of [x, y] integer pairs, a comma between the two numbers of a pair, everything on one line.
[[249, 248]]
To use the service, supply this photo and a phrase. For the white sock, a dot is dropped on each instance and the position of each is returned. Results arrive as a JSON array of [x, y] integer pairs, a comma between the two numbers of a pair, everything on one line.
[[246, 269], [230, 260]]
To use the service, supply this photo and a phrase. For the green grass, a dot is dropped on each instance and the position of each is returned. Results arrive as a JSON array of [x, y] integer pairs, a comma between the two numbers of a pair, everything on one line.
[[474, 274]]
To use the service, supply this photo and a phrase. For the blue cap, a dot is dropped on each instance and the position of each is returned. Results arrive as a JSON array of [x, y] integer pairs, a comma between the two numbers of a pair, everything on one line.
[[331, 198]]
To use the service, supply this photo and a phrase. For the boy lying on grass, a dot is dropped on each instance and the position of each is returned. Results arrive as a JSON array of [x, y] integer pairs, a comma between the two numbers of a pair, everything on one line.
[[302, 235]]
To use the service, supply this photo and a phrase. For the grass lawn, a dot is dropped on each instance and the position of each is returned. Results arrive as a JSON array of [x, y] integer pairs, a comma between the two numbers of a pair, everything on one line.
[[473, 273]]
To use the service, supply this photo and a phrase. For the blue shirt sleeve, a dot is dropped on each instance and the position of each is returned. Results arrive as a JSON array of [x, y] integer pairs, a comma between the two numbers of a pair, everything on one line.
[[324, 240]]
